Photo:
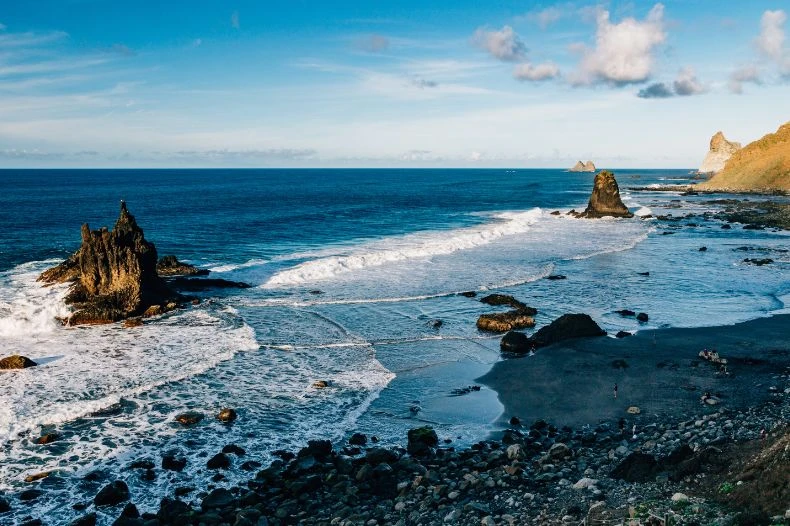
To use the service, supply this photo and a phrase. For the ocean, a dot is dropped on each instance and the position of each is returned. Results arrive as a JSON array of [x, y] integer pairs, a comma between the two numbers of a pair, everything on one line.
[[350, 272]]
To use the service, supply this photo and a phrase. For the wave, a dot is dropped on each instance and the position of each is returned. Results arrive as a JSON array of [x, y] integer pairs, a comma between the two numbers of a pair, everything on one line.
[[230, 267], [411, 246]]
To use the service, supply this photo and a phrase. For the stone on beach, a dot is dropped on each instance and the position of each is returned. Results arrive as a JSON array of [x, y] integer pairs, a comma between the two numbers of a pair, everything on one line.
[[112, 494], [227, 415], [567, 326]]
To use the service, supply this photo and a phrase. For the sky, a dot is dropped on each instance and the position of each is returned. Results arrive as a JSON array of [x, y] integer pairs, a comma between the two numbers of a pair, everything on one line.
[[409, 83]]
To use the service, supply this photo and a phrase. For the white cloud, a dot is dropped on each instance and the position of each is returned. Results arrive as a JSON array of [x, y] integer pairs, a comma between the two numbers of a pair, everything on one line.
[[197, 42], [623, 52], [771, 40], [687, 83], [745, 74], [536, 72], [234, 20], [504, 44]]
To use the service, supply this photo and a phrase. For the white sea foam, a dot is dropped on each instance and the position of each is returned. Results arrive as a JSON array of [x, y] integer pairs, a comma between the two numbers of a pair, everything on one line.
[[408, 247], [229, 267]]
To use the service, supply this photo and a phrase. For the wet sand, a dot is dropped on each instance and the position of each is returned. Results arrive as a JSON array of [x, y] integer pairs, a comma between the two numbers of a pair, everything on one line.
[[572, 383]]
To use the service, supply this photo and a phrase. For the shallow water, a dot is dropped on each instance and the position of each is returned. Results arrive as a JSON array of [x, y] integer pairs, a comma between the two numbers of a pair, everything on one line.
[[349, 269]]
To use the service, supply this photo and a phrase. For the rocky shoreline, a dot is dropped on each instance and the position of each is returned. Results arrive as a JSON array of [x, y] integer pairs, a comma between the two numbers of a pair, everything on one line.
[[704, 470]]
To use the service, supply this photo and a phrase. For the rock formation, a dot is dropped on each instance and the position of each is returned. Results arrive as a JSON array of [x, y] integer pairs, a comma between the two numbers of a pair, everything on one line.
[[113, 275], [505, 321], [16, 362], [720, 150], [605, 199], [760, 166], [171, 266], [583, 167]]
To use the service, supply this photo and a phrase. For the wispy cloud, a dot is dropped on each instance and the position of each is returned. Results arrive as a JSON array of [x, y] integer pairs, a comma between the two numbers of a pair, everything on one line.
[[771, 40], [234, 20], [536, 72], [749, 74], [372, 43], [503, 44]]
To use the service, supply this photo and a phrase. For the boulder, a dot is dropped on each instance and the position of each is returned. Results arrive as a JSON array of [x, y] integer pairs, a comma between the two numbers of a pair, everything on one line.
[[515, 342], [566, 327], [113, 274], [112, 494], [173, 463], [504, 299], [605, 199], [16, 362], [4, 505], [643, 317], [47, 439], [85, 520], [421, 440], [504, 321], [227, 415], [171, 266], [358, 439], [218, 498], [218, 461], [636, 467], [190, 418]]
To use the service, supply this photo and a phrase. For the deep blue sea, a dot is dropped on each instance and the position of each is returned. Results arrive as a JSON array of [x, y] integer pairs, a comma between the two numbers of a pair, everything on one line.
[[349, 269]]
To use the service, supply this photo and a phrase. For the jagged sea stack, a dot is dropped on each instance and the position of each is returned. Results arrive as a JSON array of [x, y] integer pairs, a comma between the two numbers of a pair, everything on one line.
[[605, 199], [113, 275]]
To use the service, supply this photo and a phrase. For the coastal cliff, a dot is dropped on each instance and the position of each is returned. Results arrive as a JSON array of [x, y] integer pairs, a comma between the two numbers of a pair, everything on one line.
[[113, 275], [583, 167], [720, 151], [761, 166]]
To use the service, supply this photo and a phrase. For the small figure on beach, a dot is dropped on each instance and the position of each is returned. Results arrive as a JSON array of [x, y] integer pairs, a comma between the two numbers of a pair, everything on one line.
[[705, 396], [621, 425], [615, 390], [633, 432], [763, 434]]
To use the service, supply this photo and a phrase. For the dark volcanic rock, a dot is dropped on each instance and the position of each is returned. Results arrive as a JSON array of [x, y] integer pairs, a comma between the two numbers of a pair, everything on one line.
[[605, 199], [85, 520], [623, 334], [113, 274], [504, 299], [515, 342], [556, 277], [198, 284], [190, 418], [173, 463], [218, 461], [468, 294], [636, 467], [16, 362], [421, 441], [4, 505], [759, 262], [504, 321], [566, 327], [112, 494], [626, 312], [219, 498], [171, 266], [227, 415], [642, 316], [358, 439], [47, 439]]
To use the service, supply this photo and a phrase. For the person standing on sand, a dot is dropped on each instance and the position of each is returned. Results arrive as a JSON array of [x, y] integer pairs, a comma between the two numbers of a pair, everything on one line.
[[633, 431], [615, 391]]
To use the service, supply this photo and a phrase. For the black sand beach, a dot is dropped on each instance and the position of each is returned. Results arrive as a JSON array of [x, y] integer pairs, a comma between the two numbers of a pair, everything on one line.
[[658, 371]]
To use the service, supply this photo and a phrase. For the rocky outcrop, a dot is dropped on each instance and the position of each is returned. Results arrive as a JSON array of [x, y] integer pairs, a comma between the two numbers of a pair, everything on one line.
[[505, 321], [113, 275], [720, 151], [566, 327], [760, 166], [16, 362], [583, 167], [605, 199], [504, 299], [171, 266]]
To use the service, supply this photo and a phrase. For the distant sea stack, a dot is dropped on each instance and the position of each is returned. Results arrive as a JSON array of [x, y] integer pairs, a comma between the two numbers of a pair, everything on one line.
[[583, 167], [605, 199], [113, 275], [761, 166], [720, 151]]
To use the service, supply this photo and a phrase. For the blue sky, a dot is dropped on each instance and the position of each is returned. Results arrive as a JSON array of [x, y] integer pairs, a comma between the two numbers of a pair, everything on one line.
[[401, 83]]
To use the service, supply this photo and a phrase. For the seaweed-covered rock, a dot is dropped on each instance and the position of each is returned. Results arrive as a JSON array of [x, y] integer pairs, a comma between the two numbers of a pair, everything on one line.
[[170, 266], [421, 441], [504, 321], [16, 362]]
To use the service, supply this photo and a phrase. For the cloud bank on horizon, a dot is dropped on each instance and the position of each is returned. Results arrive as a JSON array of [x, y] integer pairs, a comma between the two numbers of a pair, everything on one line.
[[640, 83]]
